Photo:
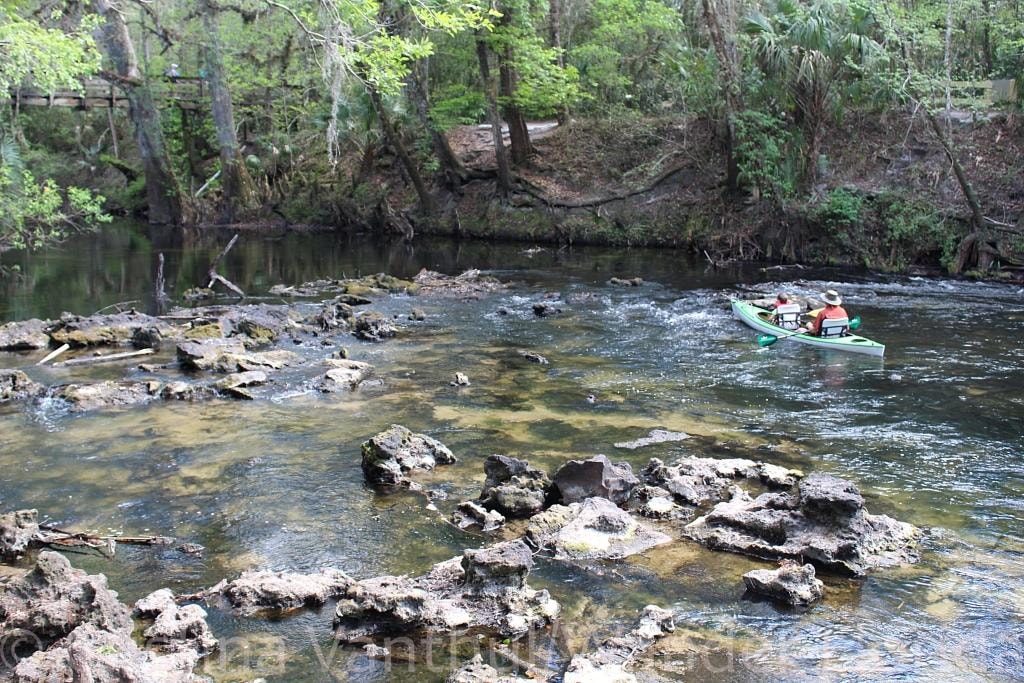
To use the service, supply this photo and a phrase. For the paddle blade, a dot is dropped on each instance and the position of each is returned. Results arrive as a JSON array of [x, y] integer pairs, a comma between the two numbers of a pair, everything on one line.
[[855, 322], [766, 339]]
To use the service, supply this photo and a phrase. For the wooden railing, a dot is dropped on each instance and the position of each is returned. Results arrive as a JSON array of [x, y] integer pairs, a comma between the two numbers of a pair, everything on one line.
[[97, 93], [985, 93]]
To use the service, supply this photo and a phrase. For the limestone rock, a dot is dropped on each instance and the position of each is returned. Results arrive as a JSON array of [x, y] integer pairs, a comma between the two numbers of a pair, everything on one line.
[[344, 375], [204, 354], [655, 437], [155, 603], [484, 589], [607, 664], [18, 529], [470, 514], [15, 385], [790, 584], [534, 357], [700, 481], [259, 590], [476, 671], [514, 487], [593, 529], [178, 629], [113, 329], [388, 456], [335, 315], [26, 335], [86, 397], [626, 282], [469, 285], [577, 480], [825, 523], [374, 327], [235, 383]]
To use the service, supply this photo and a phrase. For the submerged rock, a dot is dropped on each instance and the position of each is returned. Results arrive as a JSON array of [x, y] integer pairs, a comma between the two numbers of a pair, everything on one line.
[[699, 481], [15, 385], [534, 357], [18, 529], [262, 590], [85, 397], [791, 584], [626, 282], [655, 437], [476, 671], [374, 327], [514, 487], [825, 522], [577, 480], [470, 514], [113, 329], [344, 375], [388, 456], [593, 529], [25, 335], [484, 589], [608, 663], [547, 309]]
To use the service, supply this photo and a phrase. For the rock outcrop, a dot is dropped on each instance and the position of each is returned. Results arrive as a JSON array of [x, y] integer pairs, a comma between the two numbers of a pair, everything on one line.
[[15, 385], [254, 591], [790, 584], [374, 327], [608, 663], [593, 529], [105, 330], [469, 285], [484, 589], [700, 481], [476, 671], [18, 530], [62, 624], [230, 355], [85, 397], [514, 487], [597, 477], [469, 514], [25, 335], [824, 522], [390, 455]]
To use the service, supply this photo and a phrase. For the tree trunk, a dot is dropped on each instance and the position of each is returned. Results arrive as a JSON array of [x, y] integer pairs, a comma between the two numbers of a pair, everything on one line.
[[490, 93], [451, 167], [166, 205], [555, 38], [427, 202], [966, 250], [730, 90], [237, 192], [518, 133]]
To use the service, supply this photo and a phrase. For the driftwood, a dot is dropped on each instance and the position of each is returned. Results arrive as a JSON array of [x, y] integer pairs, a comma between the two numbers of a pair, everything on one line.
[[53, 354], [159, 292], [217, 277], [54, 537], [89, 360], [116, 306]]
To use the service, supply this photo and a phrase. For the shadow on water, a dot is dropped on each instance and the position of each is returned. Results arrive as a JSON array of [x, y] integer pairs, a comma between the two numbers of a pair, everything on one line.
[[932, 435]]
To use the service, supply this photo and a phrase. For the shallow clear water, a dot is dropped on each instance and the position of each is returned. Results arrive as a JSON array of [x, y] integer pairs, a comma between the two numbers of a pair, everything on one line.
[[932, 435]]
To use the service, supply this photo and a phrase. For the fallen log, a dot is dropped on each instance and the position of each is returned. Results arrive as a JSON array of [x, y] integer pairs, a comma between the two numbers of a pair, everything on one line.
[[89, 360], [53, 354], [217, 277]]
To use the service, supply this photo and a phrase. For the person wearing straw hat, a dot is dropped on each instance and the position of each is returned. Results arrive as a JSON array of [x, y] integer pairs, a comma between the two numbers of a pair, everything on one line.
[[833, 311]]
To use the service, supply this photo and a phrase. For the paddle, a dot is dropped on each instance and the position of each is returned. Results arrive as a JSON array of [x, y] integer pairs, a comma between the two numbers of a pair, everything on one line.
[[764, 340]]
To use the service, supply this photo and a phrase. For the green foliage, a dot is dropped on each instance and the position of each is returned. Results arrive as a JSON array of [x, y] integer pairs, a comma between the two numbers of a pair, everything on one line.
[[761, 150], [911, 229], [841, 208], [47, 58], [34, 214], [457, 104]]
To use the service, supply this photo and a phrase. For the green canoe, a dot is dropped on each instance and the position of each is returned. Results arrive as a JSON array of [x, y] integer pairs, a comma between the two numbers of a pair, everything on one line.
[[760, 320]]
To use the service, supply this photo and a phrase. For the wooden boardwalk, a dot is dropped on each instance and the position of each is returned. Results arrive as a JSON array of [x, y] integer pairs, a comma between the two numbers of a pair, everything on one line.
[[97, 93]]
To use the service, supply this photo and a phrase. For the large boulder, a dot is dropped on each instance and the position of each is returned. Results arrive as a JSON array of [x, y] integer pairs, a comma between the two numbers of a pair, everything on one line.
[[484, 589], [593, 529], [790, 584], [513, 487], [607, 664], [598, 477], [700, 481], [18, 530], [263, 590], [178, 629], [26, 335], [344, 375], [825, 522], [374, 327], [388, 456], [85, 397], [113, 329], [15, 385], [230, 356]]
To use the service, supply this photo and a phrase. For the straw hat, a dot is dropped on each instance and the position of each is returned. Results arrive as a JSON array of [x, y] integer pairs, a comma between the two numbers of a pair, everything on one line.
[[831, 297]]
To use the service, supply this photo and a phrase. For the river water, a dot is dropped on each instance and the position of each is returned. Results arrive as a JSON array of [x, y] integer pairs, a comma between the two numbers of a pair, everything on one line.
[[932, 435]]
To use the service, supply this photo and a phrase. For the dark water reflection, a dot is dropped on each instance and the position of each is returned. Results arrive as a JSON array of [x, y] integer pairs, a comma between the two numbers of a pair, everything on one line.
[[932, 434]]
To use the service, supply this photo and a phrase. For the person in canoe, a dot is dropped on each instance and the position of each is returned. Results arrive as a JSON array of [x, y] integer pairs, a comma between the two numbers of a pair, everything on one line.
[[833, 311], [787, 315]]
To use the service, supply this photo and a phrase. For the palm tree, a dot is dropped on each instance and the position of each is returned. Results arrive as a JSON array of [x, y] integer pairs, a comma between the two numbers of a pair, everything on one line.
[[813, 52]]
